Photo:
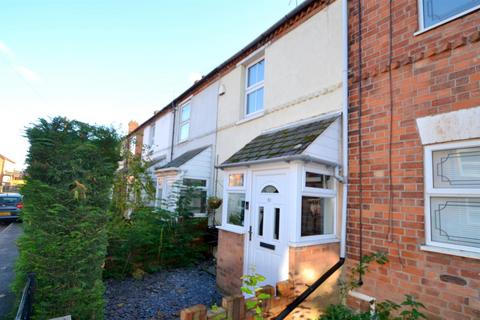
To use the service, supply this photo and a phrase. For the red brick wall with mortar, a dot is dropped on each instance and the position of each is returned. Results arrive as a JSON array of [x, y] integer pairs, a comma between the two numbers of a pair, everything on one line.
[[306, 265], [434, 72], [229, 262]]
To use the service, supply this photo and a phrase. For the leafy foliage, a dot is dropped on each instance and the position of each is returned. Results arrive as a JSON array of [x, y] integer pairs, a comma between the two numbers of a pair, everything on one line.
[[69, 177], [251, 287], [143, 238], [409, 309], [359, 271]]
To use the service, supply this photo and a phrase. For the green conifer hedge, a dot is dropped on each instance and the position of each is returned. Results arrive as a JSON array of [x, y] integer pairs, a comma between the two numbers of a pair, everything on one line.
[[70, 170]]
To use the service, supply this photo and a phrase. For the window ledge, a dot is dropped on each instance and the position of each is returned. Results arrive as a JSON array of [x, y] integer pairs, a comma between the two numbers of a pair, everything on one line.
[[251, 117], [313, 242], [453, 252], [238, 230]]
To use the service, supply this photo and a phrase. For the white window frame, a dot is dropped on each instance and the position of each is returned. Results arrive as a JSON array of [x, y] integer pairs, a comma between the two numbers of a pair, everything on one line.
[[206, 188], [430, 192], [256, 86], [321, 193], [151, 135], [421, 23], [181, 122], [227, 190]]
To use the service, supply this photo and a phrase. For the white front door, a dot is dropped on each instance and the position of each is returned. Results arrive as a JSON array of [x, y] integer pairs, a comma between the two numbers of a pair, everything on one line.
[[267, 239]]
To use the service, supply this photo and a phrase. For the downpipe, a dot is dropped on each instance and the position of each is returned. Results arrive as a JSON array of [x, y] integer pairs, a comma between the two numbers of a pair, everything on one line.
[[341, 178]]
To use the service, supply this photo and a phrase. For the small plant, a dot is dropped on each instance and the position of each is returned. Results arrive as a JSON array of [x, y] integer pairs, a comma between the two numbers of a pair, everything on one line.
[[214, 202], [413, 312], [252, 287], [359, 271]]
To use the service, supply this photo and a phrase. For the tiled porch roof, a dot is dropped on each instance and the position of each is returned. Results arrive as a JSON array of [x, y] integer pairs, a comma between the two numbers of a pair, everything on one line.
[[182, 159], [282, 143]]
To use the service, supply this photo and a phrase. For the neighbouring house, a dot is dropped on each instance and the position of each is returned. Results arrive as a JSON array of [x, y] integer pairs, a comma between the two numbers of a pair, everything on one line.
[[6, 166], [279, 150], [179, 143], [414, 130]]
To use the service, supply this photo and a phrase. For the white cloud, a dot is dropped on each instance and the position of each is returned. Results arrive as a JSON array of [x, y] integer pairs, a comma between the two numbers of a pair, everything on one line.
[[193, 77], [4, 49], [27, 73]]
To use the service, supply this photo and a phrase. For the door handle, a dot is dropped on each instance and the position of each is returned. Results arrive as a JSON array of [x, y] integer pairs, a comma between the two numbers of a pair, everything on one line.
[[250, 233]]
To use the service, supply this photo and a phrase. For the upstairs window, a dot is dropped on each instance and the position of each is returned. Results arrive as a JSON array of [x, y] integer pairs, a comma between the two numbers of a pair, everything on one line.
[[452, 198], [254, 87], [151, 136], [435, 12], [184, 122]]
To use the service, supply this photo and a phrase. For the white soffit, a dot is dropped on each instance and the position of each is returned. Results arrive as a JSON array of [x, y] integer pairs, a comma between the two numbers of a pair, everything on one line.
[[452, 126]]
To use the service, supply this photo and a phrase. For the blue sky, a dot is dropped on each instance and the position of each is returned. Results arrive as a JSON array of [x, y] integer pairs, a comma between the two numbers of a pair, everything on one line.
[[109, 61]]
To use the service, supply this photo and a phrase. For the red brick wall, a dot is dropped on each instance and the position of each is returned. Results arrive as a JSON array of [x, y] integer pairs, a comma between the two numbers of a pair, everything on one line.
[[434, 72], [229, 262]]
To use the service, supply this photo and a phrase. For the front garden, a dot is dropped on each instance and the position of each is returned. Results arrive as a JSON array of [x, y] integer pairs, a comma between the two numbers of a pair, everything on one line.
[[92, 237]]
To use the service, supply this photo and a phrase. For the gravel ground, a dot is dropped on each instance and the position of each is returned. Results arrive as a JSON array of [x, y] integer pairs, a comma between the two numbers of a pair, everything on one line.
[[161, 295]]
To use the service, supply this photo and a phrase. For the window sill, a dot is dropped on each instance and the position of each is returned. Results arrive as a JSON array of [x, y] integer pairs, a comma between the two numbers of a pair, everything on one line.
[[313, 242], [251, 117], [441, 23], [239, 230], [453, 252]]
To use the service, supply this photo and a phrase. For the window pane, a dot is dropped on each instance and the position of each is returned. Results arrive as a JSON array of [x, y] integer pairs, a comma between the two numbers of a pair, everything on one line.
[[435, 11], [252, 75], [152, 135], [185, 113], [236, 208], [184, 131], [456, 221], [259, 98], [317, 180], [456, 168], [198, 202], [276, 225], [260, 221], [255, 101], [269, 189], [317, 216], [195, 182], [251, 102], [235, 180], [256, 73]]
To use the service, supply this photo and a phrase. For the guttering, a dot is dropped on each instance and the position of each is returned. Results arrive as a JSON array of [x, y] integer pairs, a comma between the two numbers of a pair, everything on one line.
[[298, 157]]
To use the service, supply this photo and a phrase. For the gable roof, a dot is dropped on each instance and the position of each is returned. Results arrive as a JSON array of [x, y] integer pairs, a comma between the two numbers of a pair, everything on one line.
[[280, 144], [182, 159], [303, 11]]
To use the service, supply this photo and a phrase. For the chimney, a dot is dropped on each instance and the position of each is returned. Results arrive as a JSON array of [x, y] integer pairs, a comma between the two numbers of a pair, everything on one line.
[[132, 125]]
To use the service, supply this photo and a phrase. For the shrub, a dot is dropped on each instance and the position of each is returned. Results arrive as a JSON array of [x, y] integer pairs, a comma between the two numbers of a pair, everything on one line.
[[142, 238], [151, 239], [70, 168]]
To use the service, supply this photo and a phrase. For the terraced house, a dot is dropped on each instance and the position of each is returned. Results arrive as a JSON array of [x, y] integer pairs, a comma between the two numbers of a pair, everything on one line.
[[415, 150], [384, 93]]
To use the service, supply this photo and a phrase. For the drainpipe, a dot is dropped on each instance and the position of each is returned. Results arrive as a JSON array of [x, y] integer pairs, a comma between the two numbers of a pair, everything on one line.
[[343, 237], [343, 232], [173, 129]]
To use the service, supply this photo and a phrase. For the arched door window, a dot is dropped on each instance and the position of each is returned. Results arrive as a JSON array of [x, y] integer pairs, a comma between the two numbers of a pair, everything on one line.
[[269, 189]]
